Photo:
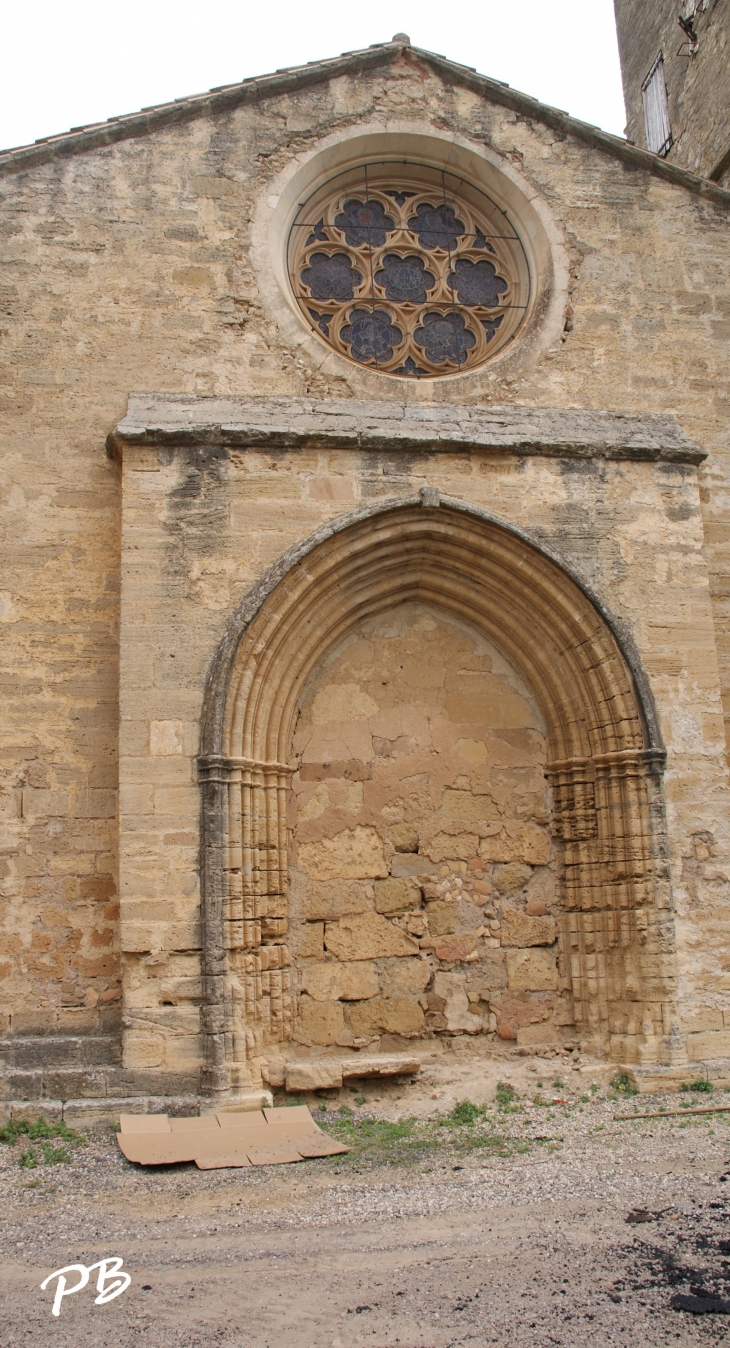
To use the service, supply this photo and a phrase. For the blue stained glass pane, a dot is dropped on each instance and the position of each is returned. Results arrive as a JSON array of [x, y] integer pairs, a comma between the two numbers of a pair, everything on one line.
[[371, 334], [477, 283], [405, 279], [444, 337], [436, 226], [364, 222], [330, 278]]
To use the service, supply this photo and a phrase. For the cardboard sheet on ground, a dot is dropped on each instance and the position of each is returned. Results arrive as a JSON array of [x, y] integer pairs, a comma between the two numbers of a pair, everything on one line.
[[220, 1141]]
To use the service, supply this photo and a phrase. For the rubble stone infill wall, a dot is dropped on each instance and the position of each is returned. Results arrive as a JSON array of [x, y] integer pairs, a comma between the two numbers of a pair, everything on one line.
[[419, 804]]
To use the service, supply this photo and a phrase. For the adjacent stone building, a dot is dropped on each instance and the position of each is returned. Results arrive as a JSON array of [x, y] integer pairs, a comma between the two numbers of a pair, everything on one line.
[[675, 60], [364, 603]]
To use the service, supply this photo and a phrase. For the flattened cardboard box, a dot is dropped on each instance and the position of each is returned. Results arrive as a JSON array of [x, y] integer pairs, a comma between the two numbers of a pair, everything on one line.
[[218, 1141]]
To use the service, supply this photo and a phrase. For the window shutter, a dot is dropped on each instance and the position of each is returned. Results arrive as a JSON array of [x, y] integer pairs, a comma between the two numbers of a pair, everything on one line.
[[656, 109]]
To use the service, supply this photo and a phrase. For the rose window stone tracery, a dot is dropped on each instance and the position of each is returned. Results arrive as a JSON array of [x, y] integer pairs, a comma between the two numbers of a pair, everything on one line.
[[408, 270]]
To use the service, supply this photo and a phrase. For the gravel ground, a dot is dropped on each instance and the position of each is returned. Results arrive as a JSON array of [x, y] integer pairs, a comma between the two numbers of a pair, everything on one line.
[[457, 1246]]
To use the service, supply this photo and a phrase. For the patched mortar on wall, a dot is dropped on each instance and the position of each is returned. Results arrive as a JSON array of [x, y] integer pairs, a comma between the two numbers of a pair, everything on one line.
[[422, 882]]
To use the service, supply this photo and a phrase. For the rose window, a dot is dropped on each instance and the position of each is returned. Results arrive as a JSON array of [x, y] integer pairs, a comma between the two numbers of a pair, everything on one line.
[[408, 270]]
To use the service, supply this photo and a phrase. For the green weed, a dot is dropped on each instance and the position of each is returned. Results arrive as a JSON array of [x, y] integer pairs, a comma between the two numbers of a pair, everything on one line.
[[701, 1084], [407, 1141], [505, 1094], [622, 1082], [15, 1128], [463, 1113], [54, 1155], [45, 1133]]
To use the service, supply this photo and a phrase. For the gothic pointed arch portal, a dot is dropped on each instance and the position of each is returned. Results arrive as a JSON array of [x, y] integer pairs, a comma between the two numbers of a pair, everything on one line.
[[604, 764]]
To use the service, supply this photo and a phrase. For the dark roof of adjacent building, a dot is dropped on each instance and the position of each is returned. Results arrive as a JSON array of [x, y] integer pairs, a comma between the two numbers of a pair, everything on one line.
[[289, 80]]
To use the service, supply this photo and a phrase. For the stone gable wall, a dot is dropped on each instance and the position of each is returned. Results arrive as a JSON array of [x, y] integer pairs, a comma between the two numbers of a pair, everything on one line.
[[132, 267]]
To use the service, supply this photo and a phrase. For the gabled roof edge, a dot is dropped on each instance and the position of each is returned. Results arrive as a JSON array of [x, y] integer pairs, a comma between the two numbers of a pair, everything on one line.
[[591, 135], [144, 122], [228, 97]]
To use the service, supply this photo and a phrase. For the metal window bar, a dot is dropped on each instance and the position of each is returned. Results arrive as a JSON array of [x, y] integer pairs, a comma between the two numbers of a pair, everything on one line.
[[656, 109]]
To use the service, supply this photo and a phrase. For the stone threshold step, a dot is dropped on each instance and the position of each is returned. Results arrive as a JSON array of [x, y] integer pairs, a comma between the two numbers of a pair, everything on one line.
[[92, 1112], [312, 1074]]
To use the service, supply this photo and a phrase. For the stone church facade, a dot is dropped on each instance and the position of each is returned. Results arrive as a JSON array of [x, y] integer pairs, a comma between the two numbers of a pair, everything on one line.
[[364, 604]]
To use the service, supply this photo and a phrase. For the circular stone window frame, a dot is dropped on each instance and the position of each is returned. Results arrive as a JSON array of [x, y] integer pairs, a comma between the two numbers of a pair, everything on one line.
[[498, 179], [477, 235]]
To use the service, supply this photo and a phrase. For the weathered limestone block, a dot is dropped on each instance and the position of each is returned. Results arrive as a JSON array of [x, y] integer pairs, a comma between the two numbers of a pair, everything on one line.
[[322, 1022], [705, 1018], [458, 946], [328, 900], [451, 988], [367, 937], [311, 940], [352, 854], [404, 837], [517, 842], [166, 737], [393, 1015], [488, 975], [532, 971], [516, 1013], [312, 1074], [441, 917], [708, 1044], [457, 847], [397, 895], [333, 982], [380, 1065], [512, 877], [465, 806], [542, 1033], [520, 929], [342, 702], [401, 977]]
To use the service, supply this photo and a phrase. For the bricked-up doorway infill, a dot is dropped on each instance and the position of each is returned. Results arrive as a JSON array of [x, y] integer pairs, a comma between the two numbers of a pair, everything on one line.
[[604, 762]]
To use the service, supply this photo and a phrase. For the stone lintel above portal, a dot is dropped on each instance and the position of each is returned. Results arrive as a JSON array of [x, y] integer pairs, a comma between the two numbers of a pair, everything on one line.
[[298, 423]]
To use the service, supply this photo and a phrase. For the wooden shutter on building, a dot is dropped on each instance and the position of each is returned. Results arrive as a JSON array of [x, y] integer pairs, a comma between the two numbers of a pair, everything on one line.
[[656, 109]]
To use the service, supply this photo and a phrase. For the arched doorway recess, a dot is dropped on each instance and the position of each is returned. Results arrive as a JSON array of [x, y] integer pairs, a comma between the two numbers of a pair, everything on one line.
[[604, 765]]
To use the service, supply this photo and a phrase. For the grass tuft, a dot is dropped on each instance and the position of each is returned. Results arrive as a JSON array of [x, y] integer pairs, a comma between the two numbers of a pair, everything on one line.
[[505, 1094], [45, 1133], [15, 1128], [465, 1129], [701, 1084], [464, 1113]]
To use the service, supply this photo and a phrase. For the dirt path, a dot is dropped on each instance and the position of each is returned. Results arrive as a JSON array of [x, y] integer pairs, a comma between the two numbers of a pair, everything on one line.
[[526, 1247]]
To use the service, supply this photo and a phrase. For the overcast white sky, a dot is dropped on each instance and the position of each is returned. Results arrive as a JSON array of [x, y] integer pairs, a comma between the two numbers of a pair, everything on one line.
[[68, 62]]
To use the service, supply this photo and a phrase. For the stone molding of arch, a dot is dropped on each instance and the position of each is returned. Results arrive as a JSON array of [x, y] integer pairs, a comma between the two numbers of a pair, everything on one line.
[[605, 750]]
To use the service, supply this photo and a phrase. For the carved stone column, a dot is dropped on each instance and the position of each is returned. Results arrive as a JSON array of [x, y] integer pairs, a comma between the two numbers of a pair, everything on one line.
[[618, 925], [246, 963]]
